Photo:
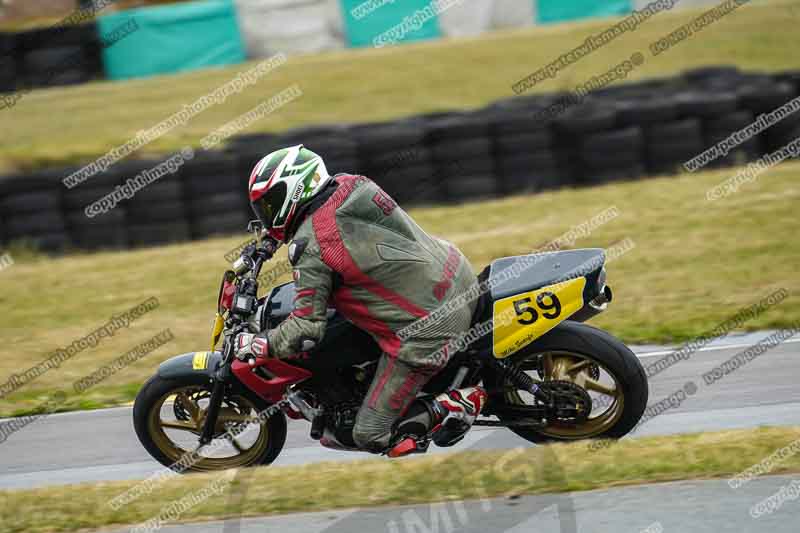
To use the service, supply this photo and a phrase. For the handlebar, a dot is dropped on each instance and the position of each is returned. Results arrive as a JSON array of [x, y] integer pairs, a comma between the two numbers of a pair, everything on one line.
[[254, 256]]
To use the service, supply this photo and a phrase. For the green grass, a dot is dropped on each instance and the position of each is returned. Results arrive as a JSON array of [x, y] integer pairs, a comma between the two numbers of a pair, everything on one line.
[[694, 264], [467, 475], [63, 125]]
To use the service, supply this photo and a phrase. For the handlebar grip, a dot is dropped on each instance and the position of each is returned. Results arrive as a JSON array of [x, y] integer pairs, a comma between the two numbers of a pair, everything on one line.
[[270, 246]]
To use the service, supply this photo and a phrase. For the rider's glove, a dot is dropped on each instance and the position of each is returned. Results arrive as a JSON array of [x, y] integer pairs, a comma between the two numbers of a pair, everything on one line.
[[248, 344]]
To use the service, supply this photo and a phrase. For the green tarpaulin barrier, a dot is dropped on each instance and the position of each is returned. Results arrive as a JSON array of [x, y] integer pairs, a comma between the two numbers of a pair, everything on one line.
[[548, 11], [173, 38], [387, 22]]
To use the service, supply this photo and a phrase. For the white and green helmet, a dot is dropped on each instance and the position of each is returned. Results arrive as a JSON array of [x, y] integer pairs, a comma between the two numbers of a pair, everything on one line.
[[281, 183]]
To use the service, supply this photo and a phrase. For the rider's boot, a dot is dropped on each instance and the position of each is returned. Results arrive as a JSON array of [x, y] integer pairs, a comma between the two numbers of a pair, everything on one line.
[[444, 419]]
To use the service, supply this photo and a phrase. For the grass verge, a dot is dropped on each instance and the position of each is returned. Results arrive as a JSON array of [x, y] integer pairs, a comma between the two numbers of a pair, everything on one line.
[[693, 265], [466, 475], [68, 125]]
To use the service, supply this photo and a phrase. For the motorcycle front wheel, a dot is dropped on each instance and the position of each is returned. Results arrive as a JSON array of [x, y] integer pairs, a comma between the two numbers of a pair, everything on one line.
[[168, 416]]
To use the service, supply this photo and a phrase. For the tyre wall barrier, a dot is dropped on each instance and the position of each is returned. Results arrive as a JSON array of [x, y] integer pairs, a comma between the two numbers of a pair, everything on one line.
[[46, 57], [521, 144]]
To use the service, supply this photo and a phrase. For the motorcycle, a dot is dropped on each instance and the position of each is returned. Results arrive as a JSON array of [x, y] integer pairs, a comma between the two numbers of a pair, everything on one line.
[[549, 376]]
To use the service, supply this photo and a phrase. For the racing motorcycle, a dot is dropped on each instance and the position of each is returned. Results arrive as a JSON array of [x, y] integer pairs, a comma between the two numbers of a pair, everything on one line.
[[549, 376]]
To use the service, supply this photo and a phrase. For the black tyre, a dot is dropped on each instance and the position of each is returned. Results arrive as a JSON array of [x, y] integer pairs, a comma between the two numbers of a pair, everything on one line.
[[221, 224], [188, 397], [627, 171], [533, 179], [31, 202], [77, 219], [465, 126], [167, 189], [720, 128], [462, 166], [523, 142], [99, 237], [702, 104], [47, 242], [384, 162], [8, 74], [405, 175], [586, 118], [64, 65], [517, 122], [527, 172], [763, 98], [635, 113], [35, 224], [82, 196], [473, 148], [146, 213], [158, 233], [704, 75], [471, 187], [219, 204], [387, 137], [578, 352], [607, 144], [671, 144], [214, 172], [792, 77]]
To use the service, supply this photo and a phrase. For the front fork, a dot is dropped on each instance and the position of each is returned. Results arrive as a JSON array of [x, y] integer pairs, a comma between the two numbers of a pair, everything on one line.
[[214, 404], [221, 379]]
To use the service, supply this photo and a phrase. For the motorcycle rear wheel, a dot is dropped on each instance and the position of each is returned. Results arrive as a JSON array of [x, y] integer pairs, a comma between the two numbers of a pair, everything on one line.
[[171, 442], [583, 355]]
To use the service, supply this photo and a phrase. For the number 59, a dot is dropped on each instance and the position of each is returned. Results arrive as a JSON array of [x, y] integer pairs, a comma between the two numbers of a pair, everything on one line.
[[528, 315]]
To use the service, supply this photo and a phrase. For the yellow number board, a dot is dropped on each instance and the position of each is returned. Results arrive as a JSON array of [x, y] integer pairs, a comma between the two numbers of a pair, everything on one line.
[[200, 361], [522, 318]]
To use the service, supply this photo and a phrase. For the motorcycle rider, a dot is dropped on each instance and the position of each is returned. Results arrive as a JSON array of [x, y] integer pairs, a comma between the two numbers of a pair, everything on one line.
[[353, 248]]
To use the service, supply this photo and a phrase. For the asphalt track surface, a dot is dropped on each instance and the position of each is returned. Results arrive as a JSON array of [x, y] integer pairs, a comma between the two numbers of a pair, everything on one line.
[[101, 445], [687, 507]]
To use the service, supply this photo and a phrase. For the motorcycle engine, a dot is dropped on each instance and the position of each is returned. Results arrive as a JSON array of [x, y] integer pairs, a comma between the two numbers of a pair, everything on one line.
[[341, 397], [341, 421]]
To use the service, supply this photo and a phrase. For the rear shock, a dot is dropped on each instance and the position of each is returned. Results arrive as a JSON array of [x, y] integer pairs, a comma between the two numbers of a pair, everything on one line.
[[520, 379]]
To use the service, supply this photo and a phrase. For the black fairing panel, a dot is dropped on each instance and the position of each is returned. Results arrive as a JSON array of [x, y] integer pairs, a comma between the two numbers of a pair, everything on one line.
[[343, 344], [540, 270]]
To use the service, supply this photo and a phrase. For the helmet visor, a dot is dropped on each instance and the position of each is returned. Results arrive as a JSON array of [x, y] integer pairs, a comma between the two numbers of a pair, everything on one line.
[[268, 206]]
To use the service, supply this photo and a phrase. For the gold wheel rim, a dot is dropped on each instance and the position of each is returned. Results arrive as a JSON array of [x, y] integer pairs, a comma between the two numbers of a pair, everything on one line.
[[576, 368], [173, 451]]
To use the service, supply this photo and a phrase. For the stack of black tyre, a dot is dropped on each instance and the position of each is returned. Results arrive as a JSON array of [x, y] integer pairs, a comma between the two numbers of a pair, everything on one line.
[[712, 101], [462, 155], [615, 129], [789, 128], [760, 96], [523, 146], [60, 55], [8, 64], [106, 230], [31, 210], [397, 157], [215, 194]]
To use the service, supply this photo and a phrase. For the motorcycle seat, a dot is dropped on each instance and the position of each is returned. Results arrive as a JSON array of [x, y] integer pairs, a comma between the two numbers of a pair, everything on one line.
[[523, 273]]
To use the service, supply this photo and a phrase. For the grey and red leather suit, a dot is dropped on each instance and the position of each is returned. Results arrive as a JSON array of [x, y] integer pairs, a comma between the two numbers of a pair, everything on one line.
[[362, 254]]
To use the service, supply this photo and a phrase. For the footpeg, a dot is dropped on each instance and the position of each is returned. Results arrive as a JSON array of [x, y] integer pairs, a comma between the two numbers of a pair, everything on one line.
[[317, 427]]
